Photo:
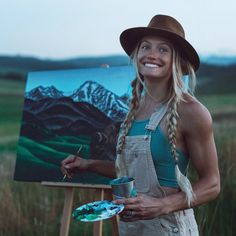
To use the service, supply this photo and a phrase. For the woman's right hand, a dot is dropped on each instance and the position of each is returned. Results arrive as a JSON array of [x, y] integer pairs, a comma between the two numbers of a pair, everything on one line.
[[72, 164]]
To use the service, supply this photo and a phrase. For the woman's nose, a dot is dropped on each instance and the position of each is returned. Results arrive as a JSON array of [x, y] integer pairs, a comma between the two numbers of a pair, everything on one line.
[[153, 54]]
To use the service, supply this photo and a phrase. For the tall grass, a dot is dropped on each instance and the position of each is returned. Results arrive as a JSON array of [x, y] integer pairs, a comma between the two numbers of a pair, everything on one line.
[[218, 217], [26, 208]]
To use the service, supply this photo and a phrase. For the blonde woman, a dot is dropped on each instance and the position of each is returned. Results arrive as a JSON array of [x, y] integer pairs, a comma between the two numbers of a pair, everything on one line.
[[165, 128]]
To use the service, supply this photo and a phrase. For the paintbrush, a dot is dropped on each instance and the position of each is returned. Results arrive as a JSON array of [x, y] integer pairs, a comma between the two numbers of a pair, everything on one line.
[[65, 175]]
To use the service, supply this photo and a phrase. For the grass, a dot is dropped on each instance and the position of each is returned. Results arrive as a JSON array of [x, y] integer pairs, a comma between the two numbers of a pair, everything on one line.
[[219, 103], [217, 217], [32, 209], [11, 105]]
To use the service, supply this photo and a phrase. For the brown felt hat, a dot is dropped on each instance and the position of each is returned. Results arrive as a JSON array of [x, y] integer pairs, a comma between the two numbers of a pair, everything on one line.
[[163, 26]]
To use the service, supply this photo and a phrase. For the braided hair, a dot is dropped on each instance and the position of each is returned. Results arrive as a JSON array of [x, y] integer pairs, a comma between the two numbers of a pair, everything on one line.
[[137, 89], [178, 90]]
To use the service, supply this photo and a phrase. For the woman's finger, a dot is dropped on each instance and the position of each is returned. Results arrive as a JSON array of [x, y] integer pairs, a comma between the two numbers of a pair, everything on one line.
[[69, 159], [126, 201]]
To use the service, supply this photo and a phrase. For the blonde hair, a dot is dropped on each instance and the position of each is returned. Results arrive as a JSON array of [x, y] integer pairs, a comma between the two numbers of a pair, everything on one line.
[[175, 96], [137, 88]]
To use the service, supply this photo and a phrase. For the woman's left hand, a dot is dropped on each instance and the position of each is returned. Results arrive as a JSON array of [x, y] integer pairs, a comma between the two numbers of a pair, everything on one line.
[[142, 207]]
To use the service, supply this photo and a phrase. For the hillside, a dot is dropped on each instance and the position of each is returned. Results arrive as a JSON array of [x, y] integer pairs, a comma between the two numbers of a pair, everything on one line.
[[213, 78], [23, 65]]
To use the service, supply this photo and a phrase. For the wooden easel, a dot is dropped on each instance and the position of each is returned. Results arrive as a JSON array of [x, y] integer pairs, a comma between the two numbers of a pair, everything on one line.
[[101, 191]]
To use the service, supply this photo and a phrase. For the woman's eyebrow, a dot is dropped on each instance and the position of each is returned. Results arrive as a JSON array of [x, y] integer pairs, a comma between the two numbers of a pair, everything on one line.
[[166, 44], [161, 43], [144, 41]]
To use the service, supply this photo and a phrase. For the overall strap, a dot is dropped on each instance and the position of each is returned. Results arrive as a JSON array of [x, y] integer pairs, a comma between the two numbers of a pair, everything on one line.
[[156, 118]]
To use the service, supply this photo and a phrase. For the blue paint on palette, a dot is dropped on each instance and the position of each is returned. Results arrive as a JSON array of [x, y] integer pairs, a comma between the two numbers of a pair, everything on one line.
[[96, 211]]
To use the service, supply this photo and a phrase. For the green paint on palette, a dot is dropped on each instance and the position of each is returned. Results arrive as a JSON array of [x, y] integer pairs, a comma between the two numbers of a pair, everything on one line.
[[96, 211]]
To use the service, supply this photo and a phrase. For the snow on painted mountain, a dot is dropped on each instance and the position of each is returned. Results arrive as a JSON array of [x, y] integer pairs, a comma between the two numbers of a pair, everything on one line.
[[106, 101], [91, 92], [41, 92]]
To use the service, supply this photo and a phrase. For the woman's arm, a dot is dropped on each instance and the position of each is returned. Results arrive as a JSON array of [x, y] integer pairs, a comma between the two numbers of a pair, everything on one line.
[[198, 134], [196, 127], [75, 163]]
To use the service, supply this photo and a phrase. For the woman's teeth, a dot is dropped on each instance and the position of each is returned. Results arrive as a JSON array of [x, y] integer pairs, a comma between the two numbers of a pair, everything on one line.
[[151, 65]]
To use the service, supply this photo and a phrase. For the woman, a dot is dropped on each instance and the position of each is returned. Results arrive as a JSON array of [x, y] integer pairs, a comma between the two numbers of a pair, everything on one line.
[[164, 129]]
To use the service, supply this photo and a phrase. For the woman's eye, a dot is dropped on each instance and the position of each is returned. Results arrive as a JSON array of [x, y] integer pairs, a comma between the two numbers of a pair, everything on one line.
[[164, 50], [144, 47]]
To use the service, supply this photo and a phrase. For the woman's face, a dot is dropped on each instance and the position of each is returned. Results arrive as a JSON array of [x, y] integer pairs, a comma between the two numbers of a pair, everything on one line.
[[154, 58]]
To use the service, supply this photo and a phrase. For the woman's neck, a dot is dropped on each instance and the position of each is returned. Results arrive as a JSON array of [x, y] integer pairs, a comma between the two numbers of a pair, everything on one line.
[[148, 105], [156, 91]]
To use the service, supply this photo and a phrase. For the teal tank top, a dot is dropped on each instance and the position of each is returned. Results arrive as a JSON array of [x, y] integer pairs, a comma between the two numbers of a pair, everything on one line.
[[161, 153]]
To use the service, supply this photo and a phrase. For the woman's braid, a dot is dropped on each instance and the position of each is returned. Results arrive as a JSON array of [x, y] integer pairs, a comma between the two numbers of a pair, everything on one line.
[[172, 118], [182, 180], [134, 104]]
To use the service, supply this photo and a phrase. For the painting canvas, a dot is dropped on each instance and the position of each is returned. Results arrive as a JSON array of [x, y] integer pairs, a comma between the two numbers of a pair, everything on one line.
[[68, 110]]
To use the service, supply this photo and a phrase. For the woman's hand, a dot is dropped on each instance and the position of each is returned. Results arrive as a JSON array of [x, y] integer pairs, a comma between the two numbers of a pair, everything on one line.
[[142, 207], [72, 164]]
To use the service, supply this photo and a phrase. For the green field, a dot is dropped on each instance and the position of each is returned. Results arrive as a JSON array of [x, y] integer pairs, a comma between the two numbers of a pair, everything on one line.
[[11, 106], [219, 103], [31, 209]]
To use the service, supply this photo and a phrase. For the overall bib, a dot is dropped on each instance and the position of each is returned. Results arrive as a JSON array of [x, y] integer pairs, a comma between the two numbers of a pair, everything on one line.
[[138, 161]]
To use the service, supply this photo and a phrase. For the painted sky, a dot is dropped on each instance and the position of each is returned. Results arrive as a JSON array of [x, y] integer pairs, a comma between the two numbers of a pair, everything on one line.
[[73, 28], [70, 80]]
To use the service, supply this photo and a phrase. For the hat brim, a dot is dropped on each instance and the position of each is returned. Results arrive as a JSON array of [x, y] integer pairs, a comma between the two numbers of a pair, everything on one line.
[[131, 37]]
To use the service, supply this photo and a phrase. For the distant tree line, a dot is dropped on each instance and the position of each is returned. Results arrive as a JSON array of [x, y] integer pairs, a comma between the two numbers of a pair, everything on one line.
[[13, 76], [217, 71]]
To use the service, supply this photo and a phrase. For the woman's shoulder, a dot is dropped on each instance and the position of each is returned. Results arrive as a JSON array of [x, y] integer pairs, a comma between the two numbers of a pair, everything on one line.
[[192, 113]]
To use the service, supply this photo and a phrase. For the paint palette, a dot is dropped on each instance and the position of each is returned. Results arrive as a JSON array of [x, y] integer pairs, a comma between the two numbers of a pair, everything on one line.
[[96, 211]]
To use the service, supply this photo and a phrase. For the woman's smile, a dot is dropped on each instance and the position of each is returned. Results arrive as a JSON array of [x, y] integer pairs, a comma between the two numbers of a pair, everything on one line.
[[151, 65]]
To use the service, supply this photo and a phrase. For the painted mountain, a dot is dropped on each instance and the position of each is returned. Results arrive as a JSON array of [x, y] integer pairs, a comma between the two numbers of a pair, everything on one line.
[[90, 92], [55, 125], [41, 92], [101, 98]]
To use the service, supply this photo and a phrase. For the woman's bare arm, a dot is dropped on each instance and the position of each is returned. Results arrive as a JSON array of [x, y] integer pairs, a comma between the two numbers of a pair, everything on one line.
[[73, 164], [199, 139]]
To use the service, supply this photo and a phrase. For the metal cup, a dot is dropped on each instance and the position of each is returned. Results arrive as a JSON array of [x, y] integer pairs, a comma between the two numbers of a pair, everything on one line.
[[123, 187]]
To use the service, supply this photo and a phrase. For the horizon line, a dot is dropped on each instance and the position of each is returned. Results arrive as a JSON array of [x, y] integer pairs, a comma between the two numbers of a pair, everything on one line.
[[202, 56]]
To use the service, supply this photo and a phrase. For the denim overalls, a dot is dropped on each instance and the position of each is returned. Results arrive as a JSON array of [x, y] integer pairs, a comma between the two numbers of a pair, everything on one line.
[[139, 164]]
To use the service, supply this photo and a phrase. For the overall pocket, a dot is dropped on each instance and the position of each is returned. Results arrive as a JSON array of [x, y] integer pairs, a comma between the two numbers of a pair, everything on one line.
[[139, 170]]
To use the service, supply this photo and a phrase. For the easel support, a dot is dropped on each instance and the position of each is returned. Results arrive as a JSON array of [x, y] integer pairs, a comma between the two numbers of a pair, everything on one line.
[[100, 191], [67, 209], [97, 226]]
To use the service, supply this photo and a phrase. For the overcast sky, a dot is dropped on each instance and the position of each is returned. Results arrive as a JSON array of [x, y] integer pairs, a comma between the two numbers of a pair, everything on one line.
[[73, 28]]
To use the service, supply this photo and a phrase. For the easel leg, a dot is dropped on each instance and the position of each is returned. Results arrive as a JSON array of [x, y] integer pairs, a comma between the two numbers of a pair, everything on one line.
[[115, 228], [115, 219], [97, 226], [66, 216]]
